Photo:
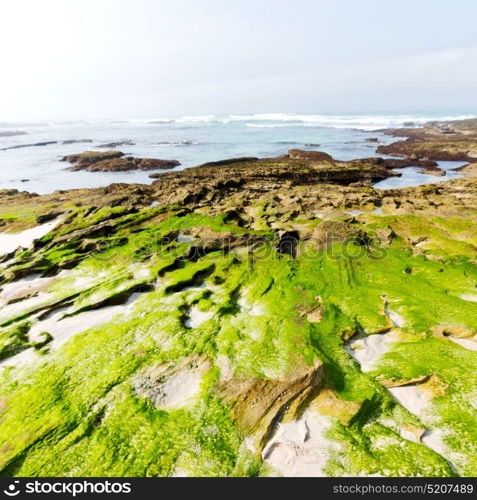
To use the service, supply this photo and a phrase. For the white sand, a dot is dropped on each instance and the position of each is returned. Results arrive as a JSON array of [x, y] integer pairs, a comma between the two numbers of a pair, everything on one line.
[[412, 397], [255, 309], [197, 317], [183, 238], [419, 402], [24, 285], [469, 297], [10, 242], [301, 448], [397, 320], [225, 366], [181, 389], [368, 350], [17, 308], [422, 243], [62, 329], [470, 344]]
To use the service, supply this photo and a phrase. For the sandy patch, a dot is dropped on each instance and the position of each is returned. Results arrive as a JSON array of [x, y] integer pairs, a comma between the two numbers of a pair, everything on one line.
[[469, 297], [470, 344], [367, 351], [250, 309], [183, 238], [16, 309], [301, 448], [62, 329], [171, 387], [23, 287], [412, 397], [10, 242], [197, 317], [225, 366]]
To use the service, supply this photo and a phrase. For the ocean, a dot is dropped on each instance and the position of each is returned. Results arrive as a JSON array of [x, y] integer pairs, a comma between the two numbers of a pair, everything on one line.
[[194, 140]]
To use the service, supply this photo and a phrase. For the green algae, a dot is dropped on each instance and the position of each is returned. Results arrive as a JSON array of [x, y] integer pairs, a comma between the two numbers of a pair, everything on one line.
[[78, 402], [13, 340]]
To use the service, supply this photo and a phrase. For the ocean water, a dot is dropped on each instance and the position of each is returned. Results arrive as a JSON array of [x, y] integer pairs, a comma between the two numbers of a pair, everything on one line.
[[194, 140]]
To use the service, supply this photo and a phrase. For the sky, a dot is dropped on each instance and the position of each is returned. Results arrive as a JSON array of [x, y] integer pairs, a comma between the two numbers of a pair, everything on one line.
[[113, 59]]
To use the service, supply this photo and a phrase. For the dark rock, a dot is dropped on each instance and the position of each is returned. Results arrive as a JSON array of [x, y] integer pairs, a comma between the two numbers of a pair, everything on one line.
[[298, 154], [77, 141], [12, 133], [230, 161], [114, 161], [36, 144], [116, 144], [41, 219]]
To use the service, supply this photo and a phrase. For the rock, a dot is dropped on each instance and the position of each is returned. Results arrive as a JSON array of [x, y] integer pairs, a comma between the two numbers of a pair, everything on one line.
[[115, 161], [47, 217], [438, 172], [329, 232], [76, 141], [468, 170], [231, 161], [439, 141], [385, 235], [90, 157], [116, 144], [298, 154], [35, 144], [257, 404], [372, 139], [12, 133]]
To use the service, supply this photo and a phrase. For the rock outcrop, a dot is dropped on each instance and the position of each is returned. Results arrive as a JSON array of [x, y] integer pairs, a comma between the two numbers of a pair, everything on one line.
[[439, 141], [115, 161]]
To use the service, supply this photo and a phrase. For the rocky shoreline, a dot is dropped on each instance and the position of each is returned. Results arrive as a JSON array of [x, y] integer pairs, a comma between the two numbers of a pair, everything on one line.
[[438, 141], [247, 317]]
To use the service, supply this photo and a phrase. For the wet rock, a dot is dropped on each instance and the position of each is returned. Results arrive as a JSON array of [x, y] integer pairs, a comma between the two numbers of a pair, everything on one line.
[[12, 133], [116, 144], [115, 161], [440, 141], [231, 161], [35, 144], [468, 170], [77, 141], [257, 404], [91, 157], [298, 154]]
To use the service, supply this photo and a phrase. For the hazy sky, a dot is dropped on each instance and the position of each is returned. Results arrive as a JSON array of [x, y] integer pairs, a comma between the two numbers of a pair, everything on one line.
[[70, 59]]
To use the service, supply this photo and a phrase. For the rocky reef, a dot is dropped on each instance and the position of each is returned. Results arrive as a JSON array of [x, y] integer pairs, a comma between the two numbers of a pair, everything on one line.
[[115, 161], [440, 141], [252, 317]]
